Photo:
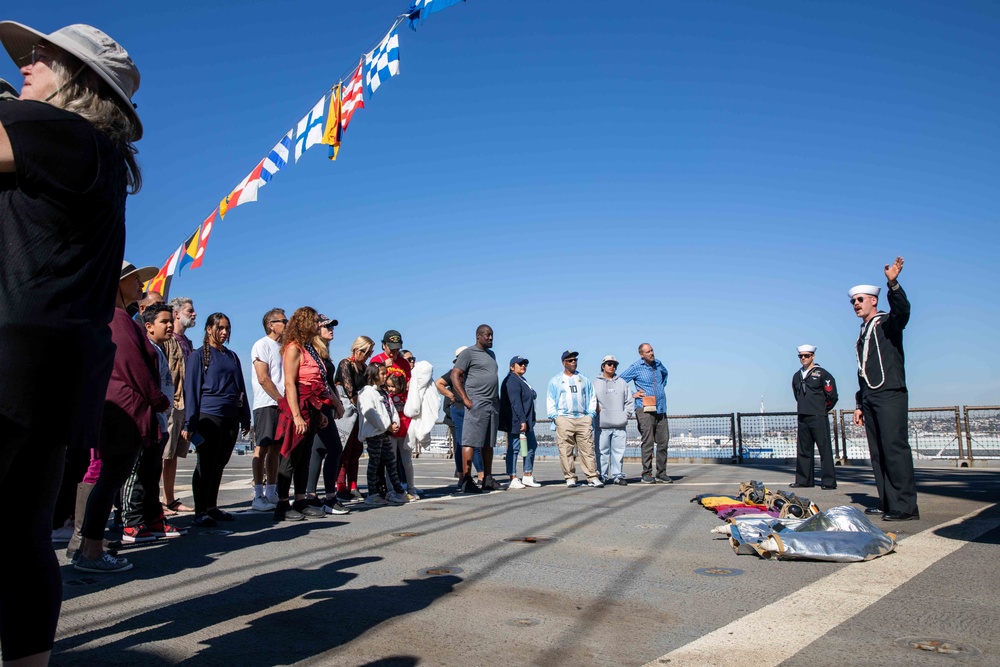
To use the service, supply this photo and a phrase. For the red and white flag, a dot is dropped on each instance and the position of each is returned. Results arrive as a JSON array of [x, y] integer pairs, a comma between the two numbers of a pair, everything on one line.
[[353, 99]]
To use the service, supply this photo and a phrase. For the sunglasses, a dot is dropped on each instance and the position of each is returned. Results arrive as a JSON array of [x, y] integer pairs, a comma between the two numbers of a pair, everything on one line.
[[572, 360], [522, 363], [279, 321], [859, 299], [805, 356], [410, 359], [39, 52]]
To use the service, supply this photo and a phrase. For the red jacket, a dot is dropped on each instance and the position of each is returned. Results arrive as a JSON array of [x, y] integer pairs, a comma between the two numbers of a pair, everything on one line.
[[135, 377], [311, 398]]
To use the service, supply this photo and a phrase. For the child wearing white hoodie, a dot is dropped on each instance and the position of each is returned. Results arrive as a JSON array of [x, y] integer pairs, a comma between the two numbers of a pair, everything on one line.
[[378, 420]]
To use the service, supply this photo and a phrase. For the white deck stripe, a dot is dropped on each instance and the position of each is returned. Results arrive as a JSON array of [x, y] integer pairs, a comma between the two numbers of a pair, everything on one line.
[[755, 639]]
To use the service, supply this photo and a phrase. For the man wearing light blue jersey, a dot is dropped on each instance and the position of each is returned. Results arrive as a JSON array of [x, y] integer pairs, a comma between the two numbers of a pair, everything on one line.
[[572, 405]]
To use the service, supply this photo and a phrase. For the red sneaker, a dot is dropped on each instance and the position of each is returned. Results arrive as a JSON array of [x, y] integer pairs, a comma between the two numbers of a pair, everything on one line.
[[161, 528], [136, 534]]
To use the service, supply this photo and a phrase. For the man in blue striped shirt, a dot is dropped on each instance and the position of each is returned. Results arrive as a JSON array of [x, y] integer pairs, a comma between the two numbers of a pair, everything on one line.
[[650, 378], [572, 405]]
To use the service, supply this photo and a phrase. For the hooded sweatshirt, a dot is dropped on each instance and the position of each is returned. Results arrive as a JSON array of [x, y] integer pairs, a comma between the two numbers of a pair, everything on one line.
[[422, 404], [615, 402]]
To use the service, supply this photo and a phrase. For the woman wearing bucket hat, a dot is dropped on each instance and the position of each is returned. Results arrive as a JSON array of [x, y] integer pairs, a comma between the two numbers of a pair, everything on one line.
[[67, 162]]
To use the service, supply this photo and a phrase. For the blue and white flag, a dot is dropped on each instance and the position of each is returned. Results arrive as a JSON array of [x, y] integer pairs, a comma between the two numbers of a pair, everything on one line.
[[309, 131], [382, 62], [421, 8]]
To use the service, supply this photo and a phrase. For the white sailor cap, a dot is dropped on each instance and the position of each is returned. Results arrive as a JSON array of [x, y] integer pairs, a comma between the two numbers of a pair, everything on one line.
[[871, 290], [802, 349]]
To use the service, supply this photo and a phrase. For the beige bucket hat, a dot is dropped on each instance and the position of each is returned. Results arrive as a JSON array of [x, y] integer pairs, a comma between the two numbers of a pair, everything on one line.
[[94, 48]]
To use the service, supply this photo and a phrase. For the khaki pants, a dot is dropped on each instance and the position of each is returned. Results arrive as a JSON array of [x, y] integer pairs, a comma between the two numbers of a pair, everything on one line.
[[578, 433]]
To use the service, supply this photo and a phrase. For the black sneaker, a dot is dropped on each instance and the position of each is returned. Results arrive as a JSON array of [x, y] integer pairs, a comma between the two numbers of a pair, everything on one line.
[[647, 479], [334, 507], [309, 510], [621, 481], [490, 484], [220, 515], [664, 478], [469, 486], [203, 520]]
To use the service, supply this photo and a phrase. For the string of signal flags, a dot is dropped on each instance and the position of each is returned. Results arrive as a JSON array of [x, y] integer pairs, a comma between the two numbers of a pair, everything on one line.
[[324, 124]]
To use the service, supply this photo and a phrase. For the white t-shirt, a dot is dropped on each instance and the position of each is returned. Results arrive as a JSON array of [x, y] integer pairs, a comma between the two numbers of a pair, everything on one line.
[[268, 351]]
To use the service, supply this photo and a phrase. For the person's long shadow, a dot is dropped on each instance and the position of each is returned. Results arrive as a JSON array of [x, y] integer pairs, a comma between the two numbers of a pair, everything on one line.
[[182, 618], [286, 635], [336, 619], [200, 548]]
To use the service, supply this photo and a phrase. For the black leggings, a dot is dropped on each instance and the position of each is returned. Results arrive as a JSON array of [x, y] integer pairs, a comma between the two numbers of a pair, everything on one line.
[[213, 455], [30, 474], [115, 469], [295, 466], [326, 444], [381, 451]]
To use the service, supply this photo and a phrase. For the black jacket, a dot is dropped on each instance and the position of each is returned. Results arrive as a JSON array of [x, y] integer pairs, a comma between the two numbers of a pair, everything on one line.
[[883, 364], [816, 394]]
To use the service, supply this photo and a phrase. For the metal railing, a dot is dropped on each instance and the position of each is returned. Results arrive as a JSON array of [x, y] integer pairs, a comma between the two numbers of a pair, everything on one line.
[[982, 431], [935, 433]]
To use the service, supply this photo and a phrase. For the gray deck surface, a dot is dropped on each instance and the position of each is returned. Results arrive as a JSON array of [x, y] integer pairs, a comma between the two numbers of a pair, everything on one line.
[[616, 586]]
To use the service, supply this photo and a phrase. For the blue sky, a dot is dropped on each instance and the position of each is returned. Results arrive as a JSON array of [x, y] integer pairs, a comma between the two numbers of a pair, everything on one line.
[[709, 177]]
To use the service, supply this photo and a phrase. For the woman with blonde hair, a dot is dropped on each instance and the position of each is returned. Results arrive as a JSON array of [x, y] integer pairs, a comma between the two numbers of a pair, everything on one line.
[[349, 381], [67, 163]]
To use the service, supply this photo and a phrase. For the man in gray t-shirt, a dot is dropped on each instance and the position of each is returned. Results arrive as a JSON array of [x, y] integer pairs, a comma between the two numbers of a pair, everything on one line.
[[476, 383]]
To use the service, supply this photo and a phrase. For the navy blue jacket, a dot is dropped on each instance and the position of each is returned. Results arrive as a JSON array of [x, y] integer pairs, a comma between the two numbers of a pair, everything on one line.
[[517, 404]]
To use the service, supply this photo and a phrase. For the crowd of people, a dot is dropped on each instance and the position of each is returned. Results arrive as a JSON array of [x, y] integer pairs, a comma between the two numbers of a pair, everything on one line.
[[104, 378]]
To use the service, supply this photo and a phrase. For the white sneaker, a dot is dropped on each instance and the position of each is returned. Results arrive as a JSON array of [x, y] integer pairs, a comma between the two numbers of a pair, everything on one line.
[[595, 483], [415, 491], [260, 504], [394, 498], [528, 480], [411, 497], [515, 484], [375, 499], [571, 483], [272, 501]]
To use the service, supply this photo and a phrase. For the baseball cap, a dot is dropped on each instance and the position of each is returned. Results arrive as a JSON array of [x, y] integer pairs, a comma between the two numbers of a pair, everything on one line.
[[517, 359], [568, 354], [393, 339], [326, 321], [611, 358]]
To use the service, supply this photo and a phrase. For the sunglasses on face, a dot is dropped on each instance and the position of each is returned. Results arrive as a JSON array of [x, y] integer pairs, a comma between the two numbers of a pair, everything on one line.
[[859, 299], [279, 321], [39, 52], [523, 363], [410, 359], [804, 356]]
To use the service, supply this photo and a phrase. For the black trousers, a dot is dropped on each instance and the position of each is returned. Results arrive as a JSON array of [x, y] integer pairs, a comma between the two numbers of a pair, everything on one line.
[[814, 432], [31, 469], [295, 466], [655, 431], [885, 414], [326, 453], [141, 493], [213, 456]]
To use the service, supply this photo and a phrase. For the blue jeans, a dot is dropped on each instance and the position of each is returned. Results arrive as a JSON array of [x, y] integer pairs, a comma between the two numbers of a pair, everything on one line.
[[458, 416], [611, 452], [514, 452]]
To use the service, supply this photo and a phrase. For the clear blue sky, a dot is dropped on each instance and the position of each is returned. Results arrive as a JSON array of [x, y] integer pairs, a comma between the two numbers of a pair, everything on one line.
[[710, 177]]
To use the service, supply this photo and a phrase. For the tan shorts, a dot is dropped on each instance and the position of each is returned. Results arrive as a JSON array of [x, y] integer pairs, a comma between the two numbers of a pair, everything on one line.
[[177, 447]]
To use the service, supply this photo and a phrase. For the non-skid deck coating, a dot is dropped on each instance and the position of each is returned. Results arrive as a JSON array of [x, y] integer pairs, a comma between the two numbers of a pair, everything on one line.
[[632, 576]]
